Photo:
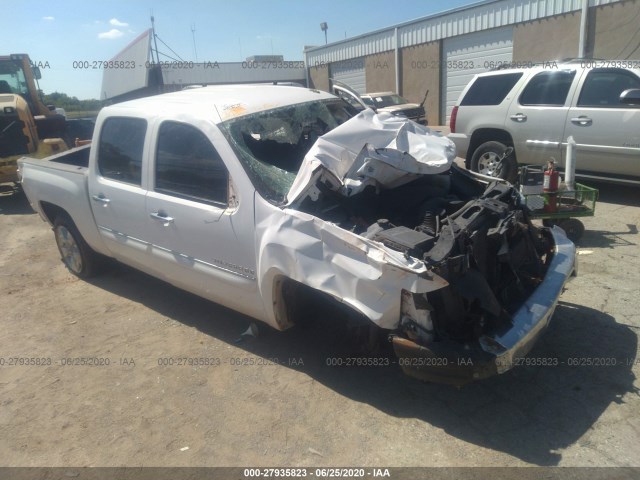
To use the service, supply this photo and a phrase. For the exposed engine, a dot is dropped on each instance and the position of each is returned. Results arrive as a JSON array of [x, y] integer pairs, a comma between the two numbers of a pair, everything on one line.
[[474, 236]]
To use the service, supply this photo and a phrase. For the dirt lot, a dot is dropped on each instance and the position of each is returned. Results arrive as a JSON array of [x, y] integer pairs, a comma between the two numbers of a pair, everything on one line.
[[285, 406]]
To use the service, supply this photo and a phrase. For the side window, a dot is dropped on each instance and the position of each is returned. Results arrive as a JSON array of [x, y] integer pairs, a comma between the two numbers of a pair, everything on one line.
[[602, 88], [490, 90], [120, 149], [187, 165], [548, 88]]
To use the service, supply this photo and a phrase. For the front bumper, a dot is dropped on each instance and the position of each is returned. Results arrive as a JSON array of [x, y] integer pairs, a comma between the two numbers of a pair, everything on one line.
[[495, 353]]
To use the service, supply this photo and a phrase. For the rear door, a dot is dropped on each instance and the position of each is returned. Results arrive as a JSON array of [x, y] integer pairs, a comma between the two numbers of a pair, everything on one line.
[[536, 118], [607, 133], [117, 190], [201, 231]]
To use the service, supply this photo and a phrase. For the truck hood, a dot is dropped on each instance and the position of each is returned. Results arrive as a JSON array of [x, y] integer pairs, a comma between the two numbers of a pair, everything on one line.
[[377, 149], [399, 108]]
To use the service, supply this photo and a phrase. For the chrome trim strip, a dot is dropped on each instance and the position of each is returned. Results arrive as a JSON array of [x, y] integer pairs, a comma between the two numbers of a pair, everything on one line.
[[248, 273], [541, 143]]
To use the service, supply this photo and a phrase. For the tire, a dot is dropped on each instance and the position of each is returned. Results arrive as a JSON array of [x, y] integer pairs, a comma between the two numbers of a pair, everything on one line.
[[573, 227], [75, 253], [485, 159]]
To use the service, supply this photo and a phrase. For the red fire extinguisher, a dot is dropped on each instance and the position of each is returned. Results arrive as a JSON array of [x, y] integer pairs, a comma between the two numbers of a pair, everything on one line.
[[550, 187]]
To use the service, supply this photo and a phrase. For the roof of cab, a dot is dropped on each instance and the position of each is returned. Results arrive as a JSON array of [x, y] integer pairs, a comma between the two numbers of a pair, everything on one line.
[[220, 102]]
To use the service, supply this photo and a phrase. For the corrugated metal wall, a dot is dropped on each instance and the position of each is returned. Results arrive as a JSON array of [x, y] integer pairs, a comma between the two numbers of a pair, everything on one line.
[[351, 72], [466, 55], [460, 21], [234, 72]]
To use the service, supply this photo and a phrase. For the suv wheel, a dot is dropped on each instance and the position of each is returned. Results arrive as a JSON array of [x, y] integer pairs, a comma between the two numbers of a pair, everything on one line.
[[486, 158]]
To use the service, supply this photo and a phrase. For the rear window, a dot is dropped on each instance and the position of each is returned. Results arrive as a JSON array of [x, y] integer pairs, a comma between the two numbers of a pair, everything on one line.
[[120, 149], [490, 90]]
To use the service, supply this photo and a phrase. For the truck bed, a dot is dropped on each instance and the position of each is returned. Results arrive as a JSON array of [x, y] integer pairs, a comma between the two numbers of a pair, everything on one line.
[[78, 157], [59, 183]]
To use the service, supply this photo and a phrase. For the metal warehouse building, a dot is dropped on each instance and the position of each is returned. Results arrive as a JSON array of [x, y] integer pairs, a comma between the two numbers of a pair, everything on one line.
[[442, 52]]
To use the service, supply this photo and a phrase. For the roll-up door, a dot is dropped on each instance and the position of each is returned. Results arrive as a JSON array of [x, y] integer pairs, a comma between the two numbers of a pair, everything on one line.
[[466, 55]]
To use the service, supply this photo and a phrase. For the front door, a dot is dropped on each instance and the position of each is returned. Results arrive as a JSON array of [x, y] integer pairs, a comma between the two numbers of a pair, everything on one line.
[[607, 132], [202, 235]]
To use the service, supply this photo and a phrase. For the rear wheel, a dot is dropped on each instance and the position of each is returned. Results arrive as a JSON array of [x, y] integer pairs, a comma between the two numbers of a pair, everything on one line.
[[76, 254], [486, 160]]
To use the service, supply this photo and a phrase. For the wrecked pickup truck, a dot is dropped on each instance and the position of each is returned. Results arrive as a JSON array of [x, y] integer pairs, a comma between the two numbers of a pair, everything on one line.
[[246, 195]]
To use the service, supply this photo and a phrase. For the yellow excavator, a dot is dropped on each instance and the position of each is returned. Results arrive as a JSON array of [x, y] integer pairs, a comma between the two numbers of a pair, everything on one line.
[[27, 125]]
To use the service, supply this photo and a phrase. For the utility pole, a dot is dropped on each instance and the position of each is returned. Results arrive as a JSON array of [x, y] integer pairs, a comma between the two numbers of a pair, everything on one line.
[[193, 33], [155, 42]]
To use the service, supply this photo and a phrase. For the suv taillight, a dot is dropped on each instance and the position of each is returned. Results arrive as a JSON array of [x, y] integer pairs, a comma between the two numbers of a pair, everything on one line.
[[452, 119]]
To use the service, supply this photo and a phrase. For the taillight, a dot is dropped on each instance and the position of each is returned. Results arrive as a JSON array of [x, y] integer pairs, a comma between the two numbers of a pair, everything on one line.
[[452, 119]]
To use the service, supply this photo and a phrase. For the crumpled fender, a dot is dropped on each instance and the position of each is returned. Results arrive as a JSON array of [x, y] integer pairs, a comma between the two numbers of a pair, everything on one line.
[[361, 273]]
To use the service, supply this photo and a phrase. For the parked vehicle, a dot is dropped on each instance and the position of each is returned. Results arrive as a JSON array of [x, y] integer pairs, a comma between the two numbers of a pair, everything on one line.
[[250, 195], [535, 110], [395, 104], [389, 102]]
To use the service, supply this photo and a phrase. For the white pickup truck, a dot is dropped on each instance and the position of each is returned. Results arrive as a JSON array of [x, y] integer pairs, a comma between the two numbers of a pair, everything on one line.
[[256, 196]]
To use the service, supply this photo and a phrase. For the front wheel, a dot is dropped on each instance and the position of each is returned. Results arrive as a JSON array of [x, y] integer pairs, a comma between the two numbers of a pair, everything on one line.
[[76, 254], [486, 160]]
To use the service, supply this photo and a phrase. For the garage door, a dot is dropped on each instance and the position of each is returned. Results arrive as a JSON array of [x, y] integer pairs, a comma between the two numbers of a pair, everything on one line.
[[466, 55], [351, 72]]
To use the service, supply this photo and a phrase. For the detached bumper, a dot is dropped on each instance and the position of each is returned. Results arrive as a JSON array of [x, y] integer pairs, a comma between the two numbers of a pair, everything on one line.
[[454, 363]]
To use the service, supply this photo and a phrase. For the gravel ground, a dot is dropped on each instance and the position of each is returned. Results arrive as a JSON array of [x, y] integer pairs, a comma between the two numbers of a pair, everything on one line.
[[272, 400]]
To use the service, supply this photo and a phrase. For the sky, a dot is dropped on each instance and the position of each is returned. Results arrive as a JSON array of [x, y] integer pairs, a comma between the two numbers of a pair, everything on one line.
[[57, 34]]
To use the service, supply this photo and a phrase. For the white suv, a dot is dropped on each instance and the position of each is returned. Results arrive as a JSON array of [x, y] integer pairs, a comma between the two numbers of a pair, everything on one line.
[[534, 110]]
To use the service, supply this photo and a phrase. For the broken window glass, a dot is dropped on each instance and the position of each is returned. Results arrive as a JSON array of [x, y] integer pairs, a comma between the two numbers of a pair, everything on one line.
[[272, 144]]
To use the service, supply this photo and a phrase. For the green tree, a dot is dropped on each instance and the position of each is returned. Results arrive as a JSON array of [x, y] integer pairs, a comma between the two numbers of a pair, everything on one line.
[[71, 104]]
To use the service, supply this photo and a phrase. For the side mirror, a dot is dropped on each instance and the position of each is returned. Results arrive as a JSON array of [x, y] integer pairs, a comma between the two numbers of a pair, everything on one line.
[[630, 96], [36, 72]]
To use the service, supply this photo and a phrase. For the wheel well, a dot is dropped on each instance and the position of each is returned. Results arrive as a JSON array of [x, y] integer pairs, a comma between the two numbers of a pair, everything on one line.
[[330, 319], [483, 135], [52, 211], [295, 301]]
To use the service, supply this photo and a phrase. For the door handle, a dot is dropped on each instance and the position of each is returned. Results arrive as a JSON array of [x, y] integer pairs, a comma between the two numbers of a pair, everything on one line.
[[102, 199], [518, 117], [582, 120], [166, 220]]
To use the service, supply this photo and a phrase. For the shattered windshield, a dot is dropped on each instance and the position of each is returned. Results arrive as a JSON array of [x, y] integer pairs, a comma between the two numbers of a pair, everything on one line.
[[272, 144]]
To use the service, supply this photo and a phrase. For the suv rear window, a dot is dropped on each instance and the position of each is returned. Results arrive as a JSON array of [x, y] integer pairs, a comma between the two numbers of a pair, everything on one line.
[[490, 90], [548, 88]]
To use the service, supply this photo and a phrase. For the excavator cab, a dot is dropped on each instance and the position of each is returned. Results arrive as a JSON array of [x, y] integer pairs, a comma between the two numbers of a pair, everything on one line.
[[24, 119]]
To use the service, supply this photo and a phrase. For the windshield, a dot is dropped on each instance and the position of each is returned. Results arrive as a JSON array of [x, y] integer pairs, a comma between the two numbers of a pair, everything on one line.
[[389, 100], [12, 79], [272, 144]]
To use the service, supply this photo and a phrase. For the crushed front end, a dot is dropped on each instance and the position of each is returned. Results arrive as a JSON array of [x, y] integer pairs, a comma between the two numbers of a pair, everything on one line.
[[502, 274], [505, 276], [444, 261]]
